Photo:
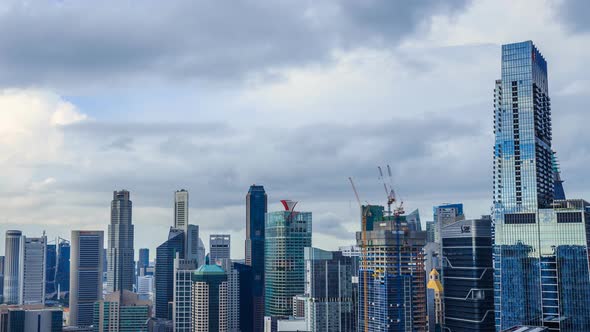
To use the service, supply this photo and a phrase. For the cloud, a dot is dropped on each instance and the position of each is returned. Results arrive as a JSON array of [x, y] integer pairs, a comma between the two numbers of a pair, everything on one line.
[[573, 14], [122, 41]]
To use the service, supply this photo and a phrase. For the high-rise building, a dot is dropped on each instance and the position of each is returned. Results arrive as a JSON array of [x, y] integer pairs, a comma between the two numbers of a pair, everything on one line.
[[30, 318], [32, 270], [144, 260], [413, 219], [181, 209], [165, 255], [121, 311], [446, 214], [86, 275], [557, 181], [12, 266], [328, 298], [219, 250], [245, 296], [62, 274], [468, 275], [50, 270], [209, 297], [121, 267], [181, 306], [434, 295], [256, 208], [233, 299], [392, 269], [145, 287], [287, 233], [430, 230], [191, 247], [541, 274]]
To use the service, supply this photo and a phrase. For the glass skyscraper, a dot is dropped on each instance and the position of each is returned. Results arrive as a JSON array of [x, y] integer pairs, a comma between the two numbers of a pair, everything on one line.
[[165, 254], [256, 207], [287, 234], [121, 264], [541, 274]]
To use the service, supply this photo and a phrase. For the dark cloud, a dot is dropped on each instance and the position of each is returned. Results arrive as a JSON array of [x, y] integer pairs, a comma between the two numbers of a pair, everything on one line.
[[75, 43], [574, 14]]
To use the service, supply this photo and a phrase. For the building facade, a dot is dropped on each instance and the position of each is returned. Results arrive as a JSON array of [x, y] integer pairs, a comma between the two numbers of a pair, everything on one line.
[[181, 209], [209, 296], [328, 298], [181, 307], [121, 266], [32, 270], [256, 208], [434, 296], [12, 266], [468, 275], [287, 233], [165, 255], [121, 311], [86, 266], [392, 279], [220, 250], [541, 274], [50, 270], [30, 319], [62, 270]]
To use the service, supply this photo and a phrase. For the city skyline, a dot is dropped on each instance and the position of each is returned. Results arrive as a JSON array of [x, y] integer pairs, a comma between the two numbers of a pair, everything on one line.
[[81, 124]]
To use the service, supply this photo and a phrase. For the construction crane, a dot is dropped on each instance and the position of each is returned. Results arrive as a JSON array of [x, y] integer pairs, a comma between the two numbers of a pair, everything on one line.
[[364, 212]]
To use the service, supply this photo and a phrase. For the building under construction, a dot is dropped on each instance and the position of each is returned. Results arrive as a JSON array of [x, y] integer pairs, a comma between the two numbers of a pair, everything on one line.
[[392, 279]]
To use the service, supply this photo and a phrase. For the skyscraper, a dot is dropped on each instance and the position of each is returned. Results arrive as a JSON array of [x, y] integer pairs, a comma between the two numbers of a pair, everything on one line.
[[541, 274], [144, 258], [256, 208], [434, 295], [165, 255], [191, 248], [1, 279], [181, 209], [50, 270], [328, 303], [32, 270], [468, 275], [209, 296], [392, 269], [62, 276], [86, 275], [287, 233], [219, 250], [121, 267], [181, 307], [12, 266], [245, 293]]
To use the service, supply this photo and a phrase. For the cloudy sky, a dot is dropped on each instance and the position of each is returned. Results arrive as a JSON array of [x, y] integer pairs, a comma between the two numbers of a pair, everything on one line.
[[213, 96]]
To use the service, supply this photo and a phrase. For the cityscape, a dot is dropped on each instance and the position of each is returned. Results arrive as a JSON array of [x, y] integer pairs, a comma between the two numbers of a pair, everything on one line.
[[276, 257]]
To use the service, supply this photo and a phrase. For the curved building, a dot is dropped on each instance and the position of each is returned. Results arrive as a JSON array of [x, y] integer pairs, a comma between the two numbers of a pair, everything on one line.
[[11, 266]]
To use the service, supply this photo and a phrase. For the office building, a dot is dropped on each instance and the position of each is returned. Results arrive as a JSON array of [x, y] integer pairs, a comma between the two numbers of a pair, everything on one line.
[[287, 233], [201, 253], [434, 297], [209, 296], [192, 244], [181, 306], [392, 268], [145, 287], [246, 312], [32, 270], [62, 274], [165, 254], [430, 230], [256, 208], [444, 215], [1, 279], [328, 298], [541, 274], [413, 220], [181, 209], [121, 267], [33, 318], [121, 311], [12, 267], [50, 270], [468, 275], [233, 299], [219, 250], [86, 268], [144, 261]]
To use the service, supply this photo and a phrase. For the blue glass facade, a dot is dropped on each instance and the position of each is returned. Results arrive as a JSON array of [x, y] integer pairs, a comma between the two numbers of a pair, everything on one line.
[[287, 234], [256, 208], [540, 244], [62, 276], [165, 255], [50, 265]]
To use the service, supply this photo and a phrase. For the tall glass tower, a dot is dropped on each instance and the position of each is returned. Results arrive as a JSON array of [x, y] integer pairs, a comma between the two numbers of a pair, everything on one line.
[[121, 264], [541, 274], [256, 207], [287, 234]]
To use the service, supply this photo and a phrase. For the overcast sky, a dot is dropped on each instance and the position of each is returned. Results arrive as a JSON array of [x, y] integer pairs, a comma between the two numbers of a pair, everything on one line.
[[213, 96]]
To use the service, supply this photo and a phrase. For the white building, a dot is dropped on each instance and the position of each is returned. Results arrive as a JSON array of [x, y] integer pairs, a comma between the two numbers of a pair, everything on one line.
[[32, 270]]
